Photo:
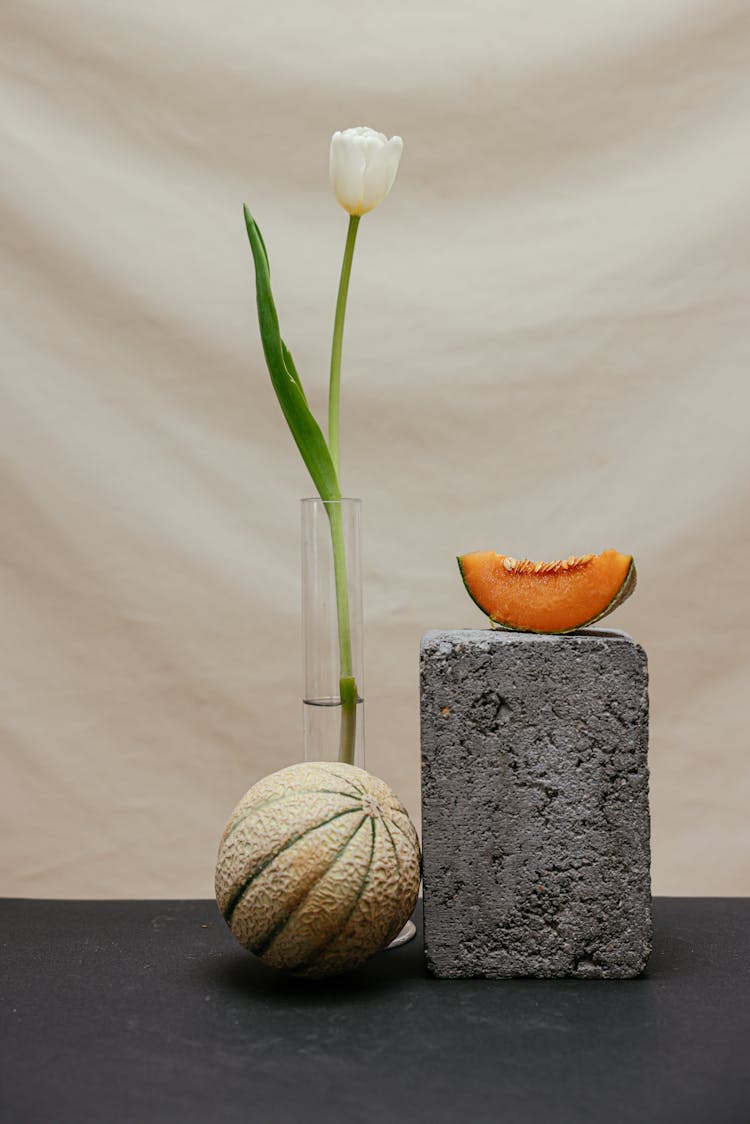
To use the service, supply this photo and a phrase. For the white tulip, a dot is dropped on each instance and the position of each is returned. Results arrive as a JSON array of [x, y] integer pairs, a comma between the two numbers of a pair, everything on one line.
[[363, 166]]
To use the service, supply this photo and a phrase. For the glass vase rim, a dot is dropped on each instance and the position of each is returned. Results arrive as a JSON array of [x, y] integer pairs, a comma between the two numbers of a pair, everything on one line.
[[343, 500]]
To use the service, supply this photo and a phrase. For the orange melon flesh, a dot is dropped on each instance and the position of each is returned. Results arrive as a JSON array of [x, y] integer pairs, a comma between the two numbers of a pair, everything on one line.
[[556, 596]]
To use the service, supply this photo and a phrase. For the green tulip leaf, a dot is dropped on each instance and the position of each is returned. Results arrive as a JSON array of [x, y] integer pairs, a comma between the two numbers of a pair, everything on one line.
[[286, 353], [289, 364], [249, 218], [285, 379]]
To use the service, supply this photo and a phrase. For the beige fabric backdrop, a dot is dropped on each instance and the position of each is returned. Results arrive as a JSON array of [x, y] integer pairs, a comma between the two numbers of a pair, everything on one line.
[[547, 353]]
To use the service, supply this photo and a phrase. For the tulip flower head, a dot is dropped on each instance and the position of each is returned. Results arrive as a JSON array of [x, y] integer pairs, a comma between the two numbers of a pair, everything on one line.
[[363, 166]]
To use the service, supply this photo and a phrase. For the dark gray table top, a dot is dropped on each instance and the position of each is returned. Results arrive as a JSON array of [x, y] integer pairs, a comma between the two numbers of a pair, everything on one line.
[[145, 1012]]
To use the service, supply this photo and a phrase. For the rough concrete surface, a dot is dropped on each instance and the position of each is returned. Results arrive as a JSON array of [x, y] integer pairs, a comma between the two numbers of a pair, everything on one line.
[[535, 814]]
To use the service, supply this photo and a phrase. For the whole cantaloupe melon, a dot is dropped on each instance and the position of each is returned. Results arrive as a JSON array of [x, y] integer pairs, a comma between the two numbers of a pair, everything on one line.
[[318, 868]]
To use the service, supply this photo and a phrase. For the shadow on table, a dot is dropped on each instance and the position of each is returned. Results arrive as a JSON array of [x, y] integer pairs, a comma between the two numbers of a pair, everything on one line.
[[237, 972], [681, 953]]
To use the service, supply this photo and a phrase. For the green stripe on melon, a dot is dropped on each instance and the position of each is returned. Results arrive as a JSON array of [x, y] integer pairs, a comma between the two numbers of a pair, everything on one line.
[[276, 854]]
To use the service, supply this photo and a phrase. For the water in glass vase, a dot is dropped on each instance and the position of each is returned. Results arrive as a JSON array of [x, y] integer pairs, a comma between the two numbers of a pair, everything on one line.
[[322, 729]]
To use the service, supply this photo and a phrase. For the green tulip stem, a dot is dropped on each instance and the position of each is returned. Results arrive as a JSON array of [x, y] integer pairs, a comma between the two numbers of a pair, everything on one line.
[[334, 390], [347, 683]]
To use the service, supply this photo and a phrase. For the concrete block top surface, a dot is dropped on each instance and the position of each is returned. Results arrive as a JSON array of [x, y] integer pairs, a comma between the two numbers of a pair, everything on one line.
[[468, 638]]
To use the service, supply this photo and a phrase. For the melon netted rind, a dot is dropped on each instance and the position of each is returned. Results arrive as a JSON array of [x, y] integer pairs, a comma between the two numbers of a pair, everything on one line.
[[318, 868], [626, 588]]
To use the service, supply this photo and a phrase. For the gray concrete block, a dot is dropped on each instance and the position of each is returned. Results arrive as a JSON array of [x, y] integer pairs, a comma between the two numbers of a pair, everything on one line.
[[535, 817]]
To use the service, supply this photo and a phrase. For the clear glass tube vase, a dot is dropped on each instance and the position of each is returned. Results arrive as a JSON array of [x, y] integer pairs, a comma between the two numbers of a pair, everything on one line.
[[333, 703]]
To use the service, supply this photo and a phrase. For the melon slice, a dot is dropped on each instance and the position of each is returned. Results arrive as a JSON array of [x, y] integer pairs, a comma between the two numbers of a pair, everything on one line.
[[560, 596]]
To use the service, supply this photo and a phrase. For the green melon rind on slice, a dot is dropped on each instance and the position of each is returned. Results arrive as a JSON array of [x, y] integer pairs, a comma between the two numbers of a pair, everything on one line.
[[466, 587], [625, 590]]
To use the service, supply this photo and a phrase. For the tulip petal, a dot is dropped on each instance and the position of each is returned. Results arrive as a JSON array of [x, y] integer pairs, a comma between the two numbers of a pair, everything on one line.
[[363, 132], [392, 158], [334, 157], [347, 165], [381, 172]]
